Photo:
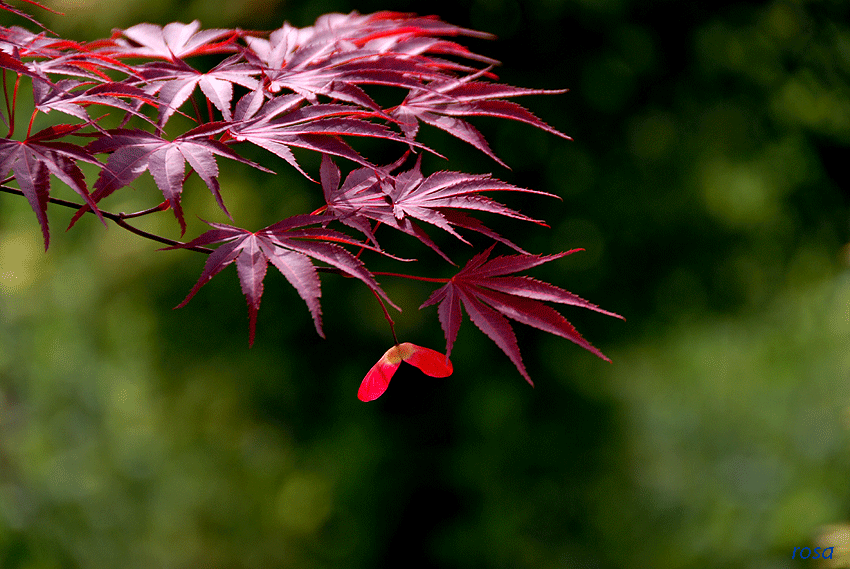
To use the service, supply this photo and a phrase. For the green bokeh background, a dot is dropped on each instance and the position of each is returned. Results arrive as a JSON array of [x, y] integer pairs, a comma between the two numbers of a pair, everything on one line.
[[707, 181]]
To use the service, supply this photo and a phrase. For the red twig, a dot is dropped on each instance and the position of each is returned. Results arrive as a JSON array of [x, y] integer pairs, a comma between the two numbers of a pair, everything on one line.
[[8, 108], [387, 316], [118, 218], [412, 277]]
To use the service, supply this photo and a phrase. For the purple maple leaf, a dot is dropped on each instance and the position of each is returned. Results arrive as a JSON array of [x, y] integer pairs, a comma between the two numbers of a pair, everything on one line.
[[488, 297], [134, 151], [288, 245], [341, 52], [34, 159], [172, 42], [13, 62], [284, 121], [444, 101], [62, 97], [397, 201], [174, 82]]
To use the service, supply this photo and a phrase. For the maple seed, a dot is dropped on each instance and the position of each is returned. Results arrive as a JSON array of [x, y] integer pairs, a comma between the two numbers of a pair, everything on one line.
[[430, 362]]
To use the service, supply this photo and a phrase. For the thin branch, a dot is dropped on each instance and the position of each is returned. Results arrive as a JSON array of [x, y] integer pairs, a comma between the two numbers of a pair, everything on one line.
[[11, 110], [412, 277], [32, 120], [14, 105], [210, 110], [161, 207], [387, 316], [194, 102], [8, 107], [118, 218]]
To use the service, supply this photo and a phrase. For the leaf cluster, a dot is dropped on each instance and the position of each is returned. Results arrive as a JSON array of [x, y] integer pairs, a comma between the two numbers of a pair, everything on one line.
[[292, 88]]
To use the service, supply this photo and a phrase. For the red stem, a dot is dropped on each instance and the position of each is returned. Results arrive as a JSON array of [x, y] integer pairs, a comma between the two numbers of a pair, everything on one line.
[[14, 104], [360, 252], [8, 108], [32, 120], [161, 207], [387, 316], [197, 110]]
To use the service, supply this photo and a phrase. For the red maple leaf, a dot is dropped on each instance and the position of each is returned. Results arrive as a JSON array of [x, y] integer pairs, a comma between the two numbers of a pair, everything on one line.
[[133, 151], [174, 82], [172, 42], [488, 297], [312, 64], [34, 159], [63, 96], [414, 35], [288, 245], [13, 62], [283, 122], [342, 51], [445, 100], [399, 200]]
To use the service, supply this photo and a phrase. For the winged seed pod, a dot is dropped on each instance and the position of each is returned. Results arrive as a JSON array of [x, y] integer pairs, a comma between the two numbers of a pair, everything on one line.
[[429, 362]]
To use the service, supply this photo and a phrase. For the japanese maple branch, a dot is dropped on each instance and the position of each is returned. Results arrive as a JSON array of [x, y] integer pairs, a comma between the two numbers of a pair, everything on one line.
[[118, 218]]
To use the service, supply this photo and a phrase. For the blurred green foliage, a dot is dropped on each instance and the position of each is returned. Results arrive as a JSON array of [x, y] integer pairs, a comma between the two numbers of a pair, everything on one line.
[[707, 183]]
